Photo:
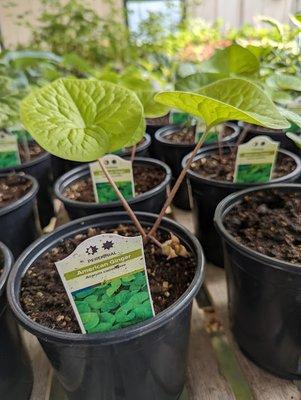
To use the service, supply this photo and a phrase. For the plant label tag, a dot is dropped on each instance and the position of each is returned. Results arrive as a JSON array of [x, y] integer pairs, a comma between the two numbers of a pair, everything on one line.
[[9, 150], [255, 160], [213, 135], [178, 118], [122, 173], [106, 282]]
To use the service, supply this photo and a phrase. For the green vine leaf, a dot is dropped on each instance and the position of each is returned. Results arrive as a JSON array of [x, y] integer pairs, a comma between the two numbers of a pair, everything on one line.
[[81, 120], [227, 99]]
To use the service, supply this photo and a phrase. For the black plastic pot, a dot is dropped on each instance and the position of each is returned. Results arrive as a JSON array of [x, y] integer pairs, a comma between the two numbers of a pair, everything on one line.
[[15, 372], [61, 166], [151, 201], [208, 193], [173, 153], [39, 168], [151, 128], [146, 361], [18, 227], [276, 134], [264, 298]]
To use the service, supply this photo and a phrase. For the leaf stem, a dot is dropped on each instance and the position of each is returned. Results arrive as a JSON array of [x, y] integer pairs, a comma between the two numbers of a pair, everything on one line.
[[133, 153], [176, 186]]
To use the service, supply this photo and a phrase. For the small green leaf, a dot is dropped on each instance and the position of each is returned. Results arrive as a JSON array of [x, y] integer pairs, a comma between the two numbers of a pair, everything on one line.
[[273, 23], [81, 120], [284, 82], [90, 320], [123, 316], [143, 311], [82, 307], [227, 99], [107, 317], [290, 115], [123, 296], [138, 298], [232, 60], [114, 286], [101, 327]]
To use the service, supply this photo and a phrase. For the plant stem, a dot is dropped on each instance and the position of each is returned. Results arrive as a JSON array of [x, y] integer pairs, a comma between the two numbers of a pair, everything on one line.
[[242, 136], [122, 199], [133, 154], [176, 186]]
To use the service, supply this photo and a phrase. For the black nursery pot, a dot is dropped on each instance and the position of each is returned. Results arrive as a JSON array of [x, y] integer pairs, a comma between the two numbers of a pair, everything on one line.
[[15, 372], [61, 166], [208, 193], [264, 298], [151, 201], [18, 228], [145, 361], [152, 125], [173, 153], [275, 134], [39, 168]]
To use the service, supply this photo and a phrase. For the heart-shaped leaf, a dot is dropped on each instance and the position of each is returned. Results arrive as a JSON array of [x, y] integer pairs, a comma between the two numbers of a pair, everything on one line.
[[227, 99], [90, 320], [81, 120], [233, 60]]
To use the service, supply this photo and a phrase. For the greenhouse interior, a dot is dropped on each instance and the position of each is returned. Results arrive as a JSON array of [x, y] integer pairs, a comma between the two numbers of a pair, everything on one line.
[[150, 200]]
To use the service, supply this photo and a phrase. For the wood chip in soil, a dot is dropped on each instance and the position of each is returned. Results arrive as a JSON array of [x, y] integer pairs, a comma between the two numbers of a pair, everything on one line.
[[43, 297]]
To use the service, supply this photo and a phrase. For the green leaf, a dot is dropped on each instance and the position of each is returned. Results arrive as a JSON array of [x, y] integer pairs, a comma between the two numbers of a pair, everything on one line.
[[280, 96], [81, 120], [107, 317], [284, 82], [152, 109], [84, 293], [273, 23], [114, 286], [194, 82], [227, 99], [290, 115], [295, 138], [233, 60], [296, 19], [90, 320], [82, 307], [143, 311]]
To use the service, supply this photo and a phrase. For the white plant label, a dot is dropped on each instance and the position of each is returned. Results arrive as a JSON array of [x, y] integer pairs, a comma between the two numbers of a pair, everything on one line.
[[255, 160], [9, 150], [106, 282], [122, 173]]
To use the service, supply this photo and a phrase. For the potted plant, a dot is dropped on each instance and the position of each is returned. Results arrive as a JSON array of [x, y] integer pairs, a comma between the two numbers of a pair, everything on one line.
[[18, 216], [120, 362], [208, 191], [260, 229], [15, 372]]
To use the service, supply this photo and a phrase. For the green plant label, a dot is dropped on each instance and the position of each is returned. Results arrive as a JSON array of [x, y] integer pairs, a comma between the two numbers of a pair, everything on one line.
[[122, 173], [212, 136], [9, 150], [255, 160], [178, 117], [106, 282]]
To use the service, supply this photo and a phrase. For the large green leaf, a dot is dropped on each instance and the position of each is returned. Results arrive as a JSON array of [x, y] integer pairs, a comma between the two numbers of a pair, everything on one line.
[[231, 61], [82, 120], [194, 82], [284, 82], [227, 99]]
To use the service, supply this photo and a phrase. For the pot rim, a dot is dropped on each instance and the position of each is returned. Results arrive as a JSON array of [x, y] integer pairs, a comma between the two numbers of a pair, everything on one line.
[[8, 262], [24, 199], [26, 258], [125, 152], [81, 170], [168, 129], [202, 152], [42, 157], [228, 203]]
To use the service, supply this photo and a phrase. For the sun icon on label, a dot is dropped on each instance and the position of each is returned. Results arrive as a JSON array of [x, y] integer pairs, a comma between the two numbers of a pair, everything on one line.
[[91, 250], [107, 245]]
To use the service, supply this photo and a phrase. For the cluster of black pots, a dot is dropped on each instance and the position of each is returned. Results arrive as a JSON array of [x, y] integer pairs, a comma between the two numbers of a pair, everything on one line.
[[173, 153], [147, 360], [15, 371], [207, 193], [151, 201]]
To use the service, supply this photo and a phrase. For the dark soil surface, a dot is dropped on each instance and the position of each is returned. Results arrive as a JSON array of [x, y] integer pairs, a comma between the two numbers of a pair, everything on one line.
[[145, 178], [44, 299], [268, 222], [34, 151], [158, 121], [222, 169], [12, 188]]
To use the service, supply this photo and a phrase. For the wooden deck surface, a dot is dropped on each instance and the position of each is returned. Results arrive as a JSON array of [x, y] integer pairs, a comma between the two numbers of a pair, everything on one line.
[[205, 377]]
